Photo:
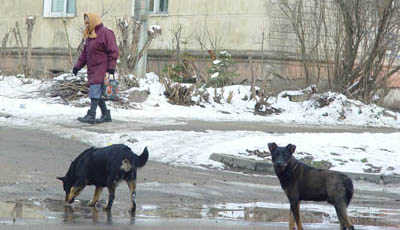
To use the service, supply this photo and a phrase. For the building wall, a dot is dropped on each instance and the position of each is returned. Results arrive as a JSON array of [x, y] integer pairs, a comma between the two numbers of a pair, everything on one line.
[[50, 32], [235, 24]]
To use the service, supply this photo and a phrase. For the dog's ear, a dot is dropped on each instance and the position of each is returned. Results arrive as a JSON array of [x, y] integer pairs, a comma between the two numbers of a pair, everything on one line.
[[291, 148], [61, 178], [272, 147]]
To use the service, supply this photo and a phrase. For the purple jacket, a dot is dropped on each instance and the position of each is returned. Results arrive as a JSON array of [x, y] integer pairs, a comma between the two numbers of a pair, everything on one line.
[[99, 54]]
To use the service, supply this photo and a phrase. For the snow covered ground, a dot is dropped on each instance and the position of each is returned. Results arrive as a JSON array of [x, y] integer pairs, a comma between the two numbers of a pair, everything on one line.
[[22, 103]]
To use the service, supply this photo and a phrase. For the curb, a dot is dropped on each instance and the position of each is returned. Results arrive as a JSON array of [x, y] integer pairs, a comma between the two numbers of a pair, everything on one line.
[[267, 167]]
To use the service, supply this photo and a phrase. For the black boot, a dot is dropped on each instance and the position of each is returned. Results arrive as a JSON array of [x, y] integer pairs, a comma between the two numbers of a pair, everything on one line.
[[105, 113], [91, 114]]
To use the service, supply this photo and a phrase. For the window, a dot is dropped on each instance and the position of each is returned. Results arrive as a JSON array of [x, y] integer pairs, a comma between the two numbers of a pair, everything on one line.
[[59, 8], [158, 6]]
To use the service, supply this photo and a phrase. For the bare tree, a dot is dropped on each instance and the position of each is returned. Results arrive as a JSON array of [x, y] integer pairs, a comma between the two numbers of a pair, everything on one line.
[[356, 41], [20, 46], [210, 41], [24, 53], [106, 10], [68, 41], [129, 40], [3, 53], [4, 43], [184, 66], [305, 17], [260, 39], [371, 31], [177, 40], [253, 79], [30, 22]]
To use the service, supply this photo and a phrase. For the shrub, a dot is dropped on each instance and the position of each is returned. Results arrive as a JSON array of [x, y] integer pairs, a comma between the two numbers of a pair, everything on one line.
[[174, 72], [221, 71]]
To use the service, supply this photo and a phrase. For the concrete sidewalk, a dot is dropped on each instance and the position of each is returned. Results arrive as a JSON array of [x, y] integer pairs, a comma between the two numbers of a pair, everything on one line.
[[239, 163]]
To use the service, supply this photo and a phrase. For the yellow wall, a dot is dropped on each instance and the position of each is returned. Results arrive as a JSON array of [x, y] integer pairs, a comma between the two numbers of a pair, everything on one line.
[[50, 32], [236, 24]]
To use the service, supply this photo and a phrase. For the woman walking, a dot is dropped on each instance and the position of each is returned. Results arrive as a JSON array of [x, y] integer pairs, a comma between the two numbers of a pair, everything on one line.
[[100, 54]]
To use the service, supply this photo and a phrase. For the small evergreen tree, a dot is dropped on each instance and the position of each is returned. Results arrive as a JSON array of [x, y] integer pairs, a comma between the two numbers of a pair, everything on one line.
[[220, 71]]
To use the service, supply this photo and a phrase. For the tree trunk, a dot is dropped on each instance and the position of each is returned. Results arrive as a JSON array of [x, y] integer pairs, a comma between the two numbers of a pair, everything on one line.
[[30, 22]]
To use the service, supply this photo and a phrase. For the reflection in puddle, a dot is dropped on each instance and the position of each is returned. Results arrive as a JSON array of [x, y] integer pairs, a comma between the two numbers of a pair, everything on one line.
[[311, 213], [19, 209], [266, 215], [56, 210]]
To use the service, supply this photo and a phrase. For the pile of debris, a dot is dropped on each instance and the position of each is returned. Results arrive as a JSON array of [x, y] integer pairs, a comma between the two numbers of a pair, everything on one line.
[[69, 90], [179, 95], [183, 94], [259, 153]]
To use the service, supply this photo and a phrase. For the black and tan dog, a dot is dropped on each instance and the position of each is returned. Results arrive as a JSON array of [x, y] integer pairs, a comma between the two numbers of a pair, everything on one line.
[[302, 182], [104, 167]]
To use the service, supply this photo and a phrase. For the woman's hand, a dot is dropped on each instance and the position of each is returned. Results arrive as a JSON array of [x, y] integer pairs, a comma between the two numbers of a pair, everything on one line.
[[75, 71]]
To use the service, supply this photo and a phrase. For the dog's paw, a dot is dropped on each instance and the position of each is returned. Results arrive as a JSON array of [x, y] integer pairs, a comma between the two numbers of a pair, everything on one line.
[[132, 210]]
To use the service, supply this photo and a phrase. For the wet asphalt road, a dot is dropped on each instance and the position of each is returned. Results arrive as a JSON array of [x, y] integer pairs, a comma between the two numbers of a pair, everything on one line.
[[269, 127], [157, 224], [168, 197], [202, 126]]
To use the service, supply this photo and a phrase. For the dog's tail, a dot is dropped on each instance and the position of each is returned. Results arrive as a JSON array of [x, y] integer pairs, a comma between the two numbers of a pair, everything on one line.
[[349, 190], [142, 159]]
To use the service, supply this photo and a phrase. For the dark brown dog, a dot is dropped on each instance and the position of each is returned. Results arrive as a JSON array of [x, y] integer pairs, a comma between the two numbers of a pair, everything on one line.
[[302, 182]]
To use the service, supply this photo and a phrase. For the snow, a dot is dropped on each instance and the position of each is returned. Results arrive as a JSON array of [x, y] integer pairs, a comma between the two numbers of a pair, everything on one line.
[[25, 104], [214, 75], [195, 148], [216, 62], [355, 112], [154, 28], [123, 22], [225, 53]]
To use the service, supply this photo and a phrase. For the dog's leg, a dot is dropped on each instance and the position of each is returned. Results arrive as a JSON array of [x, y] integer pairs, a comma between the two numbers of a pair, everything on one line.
[[132, 190], [95, 215], [291, 221], [66, 197], [341, 211], [111, 196], [68, 214], [295, 208], [96, 196], [75, 191], [109, 217]]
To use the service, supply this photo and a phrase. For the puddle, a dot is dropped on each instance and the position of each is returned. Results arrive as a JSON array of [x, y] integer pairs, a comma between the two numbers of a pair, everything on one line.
[[311, 213], [48, 210], [18, 210]]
